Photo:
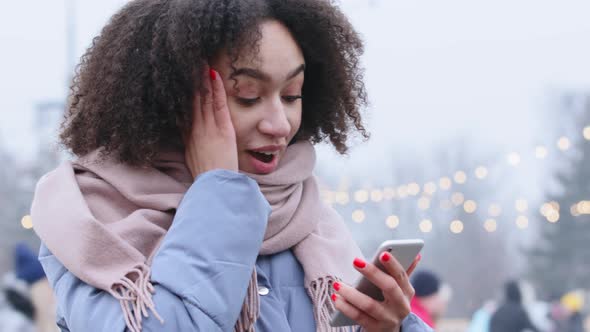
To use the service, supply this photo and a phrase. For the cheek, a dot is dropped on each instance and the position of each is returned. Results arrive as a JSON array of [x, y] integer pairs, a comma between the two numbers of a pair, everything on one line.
[[294, 119], [236, 119], [244, 122]]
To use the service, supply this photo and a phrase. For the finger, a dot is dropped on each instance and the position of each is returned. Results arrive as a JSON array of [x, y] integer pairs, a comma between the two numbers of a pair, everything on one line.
[[388, 285], [397, 271], [351, 312], [196, 119], [206, 97], [221, 111], [414, 265], [197, 113], [361, 301]]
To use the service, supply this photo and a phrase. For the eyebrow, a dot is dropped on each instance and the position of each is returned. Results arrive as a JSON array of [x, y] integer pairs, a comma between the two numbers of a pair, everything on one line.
[[258, 75]]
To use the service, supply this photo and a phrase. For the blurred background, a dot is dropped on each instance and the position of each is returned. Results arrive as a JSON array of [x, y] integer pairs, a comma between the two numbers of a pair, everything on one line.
[[480, 123]]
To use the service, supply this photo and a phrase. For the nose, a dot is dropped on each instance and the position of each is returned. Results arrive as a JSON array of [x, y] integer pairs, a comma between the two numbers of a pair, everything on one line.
[[275, 122]]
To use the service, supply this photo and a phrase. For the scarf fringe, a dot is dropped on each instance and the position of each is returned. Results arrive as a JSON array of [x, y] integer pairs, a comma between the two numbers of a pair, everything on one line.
[[320, 292], [251, 307], [135, 297]]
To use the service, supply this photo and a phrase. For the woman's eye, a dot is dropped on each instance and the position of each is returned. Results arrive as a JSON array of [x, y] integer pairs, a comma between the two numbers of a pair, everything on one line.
[[291, 99], [248, 101]]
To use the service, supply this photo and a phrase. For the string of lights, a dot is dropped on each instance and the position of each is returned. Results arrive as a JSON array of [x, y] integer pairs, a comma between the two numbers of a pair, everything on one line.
[[549, 210]]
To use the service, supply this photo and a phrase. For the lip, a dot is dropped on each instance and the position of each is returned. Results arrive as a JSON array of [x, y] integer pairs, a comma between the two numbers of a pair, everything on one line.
[[262, 167], [268, 148]]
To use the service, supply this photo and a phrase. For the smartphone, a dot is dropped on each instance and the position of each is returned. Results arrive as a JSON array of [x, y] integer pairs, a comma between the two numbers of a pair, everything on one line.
[[405, 251]]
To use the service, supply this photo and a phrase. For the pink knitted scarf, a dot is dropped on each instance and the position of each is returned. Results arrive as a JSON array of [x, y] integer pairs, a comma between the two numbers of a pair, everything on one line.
[[104, 221]]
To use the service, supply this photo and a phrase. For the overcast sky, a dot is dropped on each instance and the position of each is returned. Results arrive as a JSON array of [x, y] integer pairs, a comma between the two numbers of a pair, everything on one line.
[[435, 69]]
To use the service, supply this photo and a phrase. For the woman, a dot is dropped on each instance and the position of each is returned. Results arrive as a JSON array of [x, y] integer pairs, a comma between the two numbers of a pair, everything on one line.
[[192, 205]]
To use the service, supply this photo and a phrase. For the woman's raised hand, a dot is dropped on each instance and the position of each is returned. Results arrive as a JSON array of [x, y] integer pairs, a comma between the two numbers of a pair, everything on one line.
[[211, 143]]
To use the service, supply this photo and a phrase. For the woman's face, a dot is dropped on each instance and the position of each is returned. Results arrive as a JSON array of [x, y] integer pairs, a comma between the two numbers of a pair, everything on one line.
[[264, 98]]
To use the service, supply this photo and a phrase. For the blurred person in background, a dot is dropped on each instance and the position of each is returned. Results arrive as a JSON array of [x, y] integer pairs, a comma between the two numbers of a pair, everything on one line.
[[480, 321], [191, 202], [511, 315], [431, 298], [539, 311], [558, 314], [29, 269], [573, 302], [16, 309]]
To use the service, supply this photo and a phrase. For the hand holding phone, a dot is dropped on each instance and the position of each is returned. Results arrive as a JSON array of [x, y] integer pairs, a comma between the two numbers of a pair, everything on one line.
[[399, 257]]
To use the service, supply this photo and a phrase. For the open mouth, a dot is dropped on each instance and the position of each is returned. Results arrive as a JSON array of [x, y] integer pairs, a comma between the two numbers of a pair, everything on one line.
[[265, 157]]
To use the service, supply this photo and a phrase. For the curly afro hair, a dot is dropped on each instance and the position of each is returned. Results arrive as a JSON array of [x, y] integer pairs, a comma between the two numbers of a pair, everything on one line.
[[133, 89]]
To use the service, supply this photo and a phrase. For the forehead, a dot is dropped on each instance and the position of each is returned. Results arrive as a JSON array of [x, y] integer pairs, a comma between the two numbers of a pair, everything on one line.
[[277, 53], [278, 45]]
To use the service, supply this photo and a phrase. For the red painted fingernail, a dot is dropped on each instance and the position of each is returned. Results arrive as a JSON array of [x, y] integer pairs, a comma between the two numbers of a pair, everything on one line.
[[385, 257], [337, 286], [212, 74], [359, 263], [334, 297]]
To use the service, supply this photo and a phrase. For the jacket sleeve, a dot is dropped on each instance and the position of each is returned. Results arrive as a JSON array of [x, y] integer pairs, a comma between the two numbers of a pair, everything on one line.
[[411, 323], [201, 270]]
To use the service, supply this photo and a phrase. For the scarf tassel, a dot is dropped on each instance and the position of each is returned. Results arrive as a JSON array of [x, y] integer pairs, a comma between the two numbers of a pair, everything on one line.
[[320, 292], [251, 307], [135, 297]]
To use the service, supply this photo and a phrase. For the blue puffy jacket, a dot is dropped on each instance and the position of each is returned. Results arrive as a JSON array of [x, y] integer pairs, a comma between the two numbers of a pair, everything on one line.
[[202, 270]]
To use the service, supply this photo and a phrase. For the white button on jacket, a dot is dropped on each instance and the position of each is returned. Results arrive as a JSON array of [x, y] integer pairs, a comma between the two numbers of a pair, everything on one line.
[[263, 290]]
